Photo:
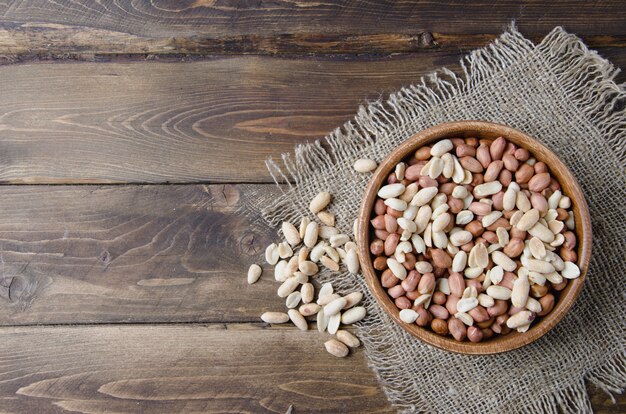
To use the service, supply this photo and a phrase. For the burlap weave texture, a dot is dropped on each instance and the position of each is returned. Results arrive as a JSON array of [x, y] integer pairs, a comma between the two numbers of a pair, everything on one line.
[[558, 92]]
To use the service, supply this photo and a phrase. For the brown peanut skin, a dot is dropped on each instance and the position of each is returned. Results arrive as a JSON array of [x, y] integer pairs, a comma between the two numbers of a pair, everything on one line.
[[411, 281], [474, 334], [451, 304], [498, 200], [426, 182], [487, 333], [547, 304], [388, 279], [439, 326], [410, 261], [471, 141], [539, 202], [510, 149], [391, 223], [380, 263], [568, 255], [414, 294], [510, 162], [479, 314], [570, 240], [403, 302], [476, 284], [440, 258], [396, 291], [377, 247], [424, 317], [439, 298], [471, 164], [457, 329], [487, 323], [538, 291], [381, 234], [499, 308], [439, 311], [501, 222], [391, 243], [560, 286], [426, 283], [507, 280], [456, 205], [422, 153], [447, 188], [379, 207], [465, 150], [524, 173], [496, 149], [475, 227], [394, 213], [522, 154], [506, 177], [561, 214], [539, 182], [483, 156], [514, 248], [378, 222], [493, 171], [490, 236], [457, 284], [540, 167], [516, 233]]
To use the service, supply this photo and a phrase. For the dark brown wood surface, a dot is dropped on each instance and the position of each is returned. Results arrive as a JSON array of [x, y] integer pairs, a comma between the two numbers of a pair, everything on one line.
[[132, 297]]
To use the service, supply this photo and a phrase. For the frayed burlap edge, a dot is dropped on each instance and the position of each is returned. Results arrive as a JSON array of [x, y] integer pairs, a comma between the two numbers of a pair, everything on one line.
[[581, 74]]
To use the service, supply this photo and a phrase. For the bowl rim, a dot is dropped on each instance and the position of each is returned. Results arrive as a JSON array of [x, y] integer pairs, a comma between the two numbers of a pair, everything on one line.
[[558, 169]]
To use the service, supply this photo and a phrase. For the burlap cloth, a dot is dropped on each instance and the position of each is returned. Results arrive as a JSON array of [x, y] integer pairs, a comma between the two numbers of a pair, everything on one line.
[[558, 92]]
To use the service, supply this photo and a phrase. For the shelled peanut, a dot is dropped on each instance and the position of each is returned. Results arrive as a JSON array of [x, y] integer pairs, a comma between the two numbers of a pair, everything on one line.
[[317, 245], [474, 239]]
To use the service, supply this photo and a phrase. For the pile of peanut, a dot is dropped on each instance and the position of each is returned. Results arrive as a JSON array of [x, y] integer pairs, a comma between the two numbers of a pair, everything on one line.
[[293, 270], [473, 238]]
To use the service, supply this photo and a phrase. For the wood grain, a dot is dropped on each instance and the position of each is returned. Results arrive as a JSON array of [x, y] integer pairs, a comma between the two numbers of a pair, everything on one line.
[[189, 368], [209, 19], [43, 41], [156, 254], [98, 254], [171, 369], [164, 122]]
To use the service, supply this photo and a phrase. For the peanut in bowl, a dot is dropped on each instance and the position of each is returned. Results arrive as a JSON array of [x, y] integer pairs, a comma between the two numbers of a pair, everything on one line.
[[474, 237]]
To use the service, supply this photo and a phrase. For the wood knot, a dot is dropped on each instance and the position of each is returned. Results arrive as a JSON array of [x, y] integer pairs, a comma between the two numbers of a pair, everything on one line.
[[105, 257], [426, 39], [250, 244]]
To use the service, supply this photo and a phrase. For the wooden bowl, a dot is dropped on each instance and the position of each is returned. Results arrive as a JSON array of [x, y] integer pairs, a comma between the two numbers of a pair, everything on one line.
[[558, 170]]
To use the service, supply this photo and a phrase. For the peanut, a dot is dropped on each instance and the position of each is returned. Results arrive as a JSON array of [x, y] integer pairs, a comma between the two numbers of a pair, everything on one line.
[[466, 216], [336, 348]]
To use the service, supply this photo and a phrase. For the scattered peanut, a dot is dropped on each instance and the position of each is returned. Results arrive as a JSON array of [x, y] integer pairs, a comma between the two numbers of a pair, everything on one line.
[[254, 273], [336, 348]]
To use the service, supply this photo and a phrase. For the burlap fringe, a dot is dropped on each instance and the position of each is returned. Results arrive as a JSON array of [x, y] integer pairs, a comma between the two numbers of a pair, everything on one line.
[[587, 79]]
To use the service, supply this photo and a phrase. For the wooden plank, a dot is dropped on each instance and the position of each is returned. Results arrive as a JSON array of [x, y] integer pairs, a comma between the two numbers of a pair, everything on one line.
[[102, 254], [87, 27], [189, 368], [171, 369], [164, 122], [32, 41]]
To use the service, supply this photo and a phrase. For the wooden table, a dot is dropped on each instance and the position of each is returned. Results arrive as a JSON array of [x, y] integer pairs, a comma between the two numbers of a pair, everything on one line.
[[131, 136]]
